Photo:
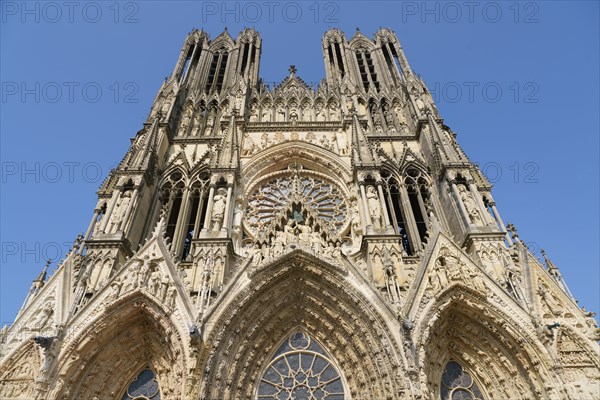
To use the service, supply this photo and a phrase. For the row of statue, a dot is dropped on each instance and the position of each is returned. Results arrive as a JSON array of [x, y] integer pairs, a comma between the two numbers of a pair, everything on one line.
[[337, 143], [293, 233], [292, 113]]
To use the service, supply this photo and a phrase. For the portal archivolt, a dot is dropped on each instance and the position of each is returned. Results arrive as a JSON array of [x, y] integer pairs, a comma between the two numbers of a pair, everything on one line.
[[301, 291]]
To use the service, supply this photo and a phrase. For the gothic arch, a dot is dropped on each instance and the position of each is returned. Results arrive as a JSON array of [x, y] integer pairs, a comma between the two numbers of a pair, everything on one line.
[[311, 156], [327, 302], [500, 350], [133, 333]]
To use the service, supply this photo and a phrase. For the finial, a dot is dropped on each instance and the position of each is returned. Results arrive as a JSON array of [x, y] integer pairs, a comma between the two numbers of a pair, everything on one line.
[[292, 70]]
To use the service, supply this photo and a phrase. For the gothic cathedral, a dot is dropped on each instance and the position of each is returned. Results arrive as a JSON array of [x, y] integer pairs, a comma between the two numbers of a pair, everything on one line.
[[293, 242]]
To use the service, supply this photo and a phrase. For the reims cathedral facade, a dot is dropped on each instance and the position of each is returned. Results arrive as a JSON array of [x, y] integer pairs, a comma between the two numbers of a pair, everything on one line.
[[293, 242]]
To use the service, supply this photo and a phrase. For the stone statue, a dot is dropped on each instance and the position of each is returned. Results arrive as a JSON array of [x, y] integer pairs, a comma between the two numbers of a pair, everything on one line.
[[218, 210], [121, 210], [289, 230], [186, 119], [43, 316], [374, 208], [210, 121], [470, 206], [248, 146], [342, 142], [254, 113], [389, 121], [304, 235]]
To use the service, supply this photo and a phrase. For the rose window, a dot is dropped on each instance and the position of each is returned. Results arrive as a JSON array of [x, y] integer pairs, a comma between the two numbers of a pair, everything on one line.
[[457, 384], [300, 369], [297, 195]]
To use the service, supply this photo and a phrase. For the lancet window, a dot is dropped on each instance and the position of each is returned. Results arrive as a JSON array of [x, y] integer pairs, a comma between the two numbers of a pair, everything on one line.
[[216, 72], [408, 202]]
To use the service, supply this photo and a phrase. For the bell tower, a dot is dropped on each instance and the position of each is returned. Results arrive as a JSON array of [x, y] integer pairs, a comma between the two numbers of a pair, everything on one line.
[[297, 242]]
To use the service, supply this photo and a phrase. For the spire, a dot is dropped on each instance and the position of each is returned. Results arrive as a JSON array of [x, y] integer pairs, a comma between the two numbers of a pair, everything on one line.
[[41, 279], [360, 145], [229, 153]]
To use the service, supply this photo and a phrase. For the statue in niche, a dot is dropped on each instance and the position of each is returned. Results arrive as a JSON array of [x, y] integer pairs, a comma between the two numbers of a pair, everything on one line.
[[239, 97], [121, 210], [400, 117], [218, 211], [266, 113], [210, 121], [248, 146], [342, 143], [334, 112], [374, 208], [186, 119], [470, 206], [389, 121], [420, 105], [196, 123], [280, 115], [319, 113], [377, 124], [306, 112], [166, 106], [294, 115], [254, 112]]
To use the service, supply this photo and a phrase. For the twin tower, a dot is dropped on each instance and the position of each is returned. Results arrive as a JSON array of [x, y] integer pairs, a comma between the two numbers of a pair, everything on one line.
[[293, 242]]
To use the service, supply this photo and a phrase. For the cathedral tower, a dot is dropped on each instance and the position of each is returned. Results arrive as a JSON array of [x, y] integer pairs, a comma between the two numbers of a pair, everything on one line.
[[291, 242]]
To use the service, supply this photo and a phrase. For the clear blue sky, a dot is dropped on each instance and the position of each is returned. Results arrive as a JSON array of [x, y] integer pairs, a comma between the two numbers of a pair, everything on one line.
[[537, 139]]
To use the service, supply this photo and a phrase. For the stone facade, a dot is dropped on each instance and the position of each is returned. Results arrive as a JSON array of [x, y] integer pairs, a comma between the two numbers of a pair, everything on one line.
[[288, 242]]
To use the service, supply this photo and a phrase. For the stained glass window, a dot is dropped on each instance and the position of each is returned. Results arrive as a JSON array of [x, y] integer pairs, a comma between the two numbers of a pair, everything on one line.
[[144, 387], [457, 384], [300, 369], [315, 194]]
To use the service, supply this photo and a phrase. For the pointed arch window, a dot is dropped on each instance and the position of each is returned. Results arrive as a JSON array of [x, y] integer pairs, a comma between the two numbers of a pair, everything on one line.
[[300, 369], [143, 387], [458, 384]]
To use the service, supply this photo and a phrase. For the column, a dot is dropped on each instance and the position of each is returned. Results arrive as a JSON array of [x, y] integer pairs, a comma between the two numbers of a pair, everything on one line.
[[363, 196], [181, 221], [500, 222], [108, 215], [411, 225], [211, 194], [92, 224], [198, 214], [386, 216]]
